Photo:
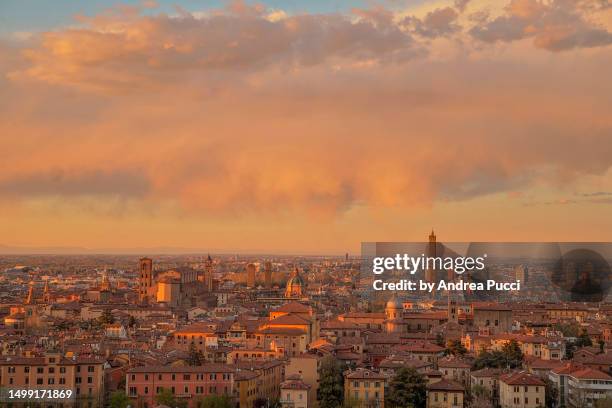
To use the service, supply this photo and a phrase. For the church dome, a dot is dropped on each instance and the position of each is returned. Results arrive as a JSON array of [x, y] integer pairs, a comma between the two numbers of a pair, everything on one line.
[[294, 284], [394, 303]]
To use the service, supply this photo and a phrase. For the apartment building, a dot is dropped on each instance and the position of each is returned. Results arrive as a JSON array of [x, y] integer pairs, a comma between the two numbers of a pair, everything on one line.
[[365, 387], [521, 390], [185, 382], [586, 386], [83, 375]]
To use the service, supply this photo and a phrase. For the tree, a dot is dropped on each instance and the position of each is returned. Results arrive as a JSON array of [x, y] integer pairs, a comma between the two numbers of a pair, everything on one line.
[[510, 356], [551, 394], [165, 397], [513, 354], [132, 321], [196, 358], [107, 317], [569, 329], [351, 402], [584, 340], [331, 383], [455, 348], [602, 344], [440, 340], [408, 388], [118, 399], [215, 401], [570, 347]]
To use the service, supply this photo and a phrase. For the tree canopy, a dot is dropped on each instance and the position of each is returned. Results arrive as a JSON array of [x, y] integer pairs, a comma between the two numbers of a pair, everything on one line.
[[408, 388], [331, 383]]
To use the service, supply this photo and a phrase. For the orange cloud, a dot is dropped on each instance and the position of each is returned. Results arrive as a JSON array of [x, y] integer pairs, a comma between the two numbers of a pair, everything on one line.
[[234, 113]]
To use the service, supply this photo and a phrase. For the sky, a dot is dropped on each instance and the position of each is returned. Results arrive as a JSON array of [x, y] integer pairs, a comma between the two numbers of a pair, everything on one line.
[[303, 126]]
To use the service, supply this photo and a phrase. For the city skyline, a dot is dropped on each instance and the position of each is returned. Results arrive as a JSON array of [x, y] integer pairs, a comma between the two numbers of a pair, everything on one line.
[[304, 127]]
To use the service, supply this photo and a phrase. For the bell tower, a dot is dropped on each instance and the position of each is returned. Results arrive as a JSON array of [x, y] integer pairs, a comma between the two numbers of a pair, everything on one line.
[[145, 278]]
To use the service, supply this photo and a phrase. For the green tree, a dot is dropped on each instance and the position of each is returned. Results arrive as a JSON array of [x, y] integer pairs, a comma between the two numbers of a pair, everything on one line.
[[551, 394], [602, 344], [132, 321], [570, 347], [118, 399], [107, 317], [440, 340], [584, 340], [568, 329], [331, 383], [455, 348], [408, 388], [196, 358], [165, 397], [215, 401], [351, 402], [512, 354]]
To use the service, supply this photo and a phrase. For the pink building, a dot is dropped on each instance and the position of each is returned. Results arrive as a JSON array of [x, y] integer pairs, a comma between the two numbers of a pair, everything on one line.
[[144, 383]]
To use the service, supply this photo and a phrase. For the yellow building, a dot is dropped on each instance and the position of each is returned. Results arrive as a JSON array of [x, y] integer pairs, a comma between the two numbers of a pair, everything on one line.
[[306, 365], [365, 387], [445, 394], [294, 393], [521, 390], [246, 388]]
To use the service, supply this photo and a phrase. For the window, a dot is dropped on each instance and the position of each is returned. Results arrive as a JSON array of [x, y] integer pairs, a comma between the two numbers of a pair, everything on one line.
[[186, 377], [40, 370], [133, 391], [62, 370], [91, 369], [146, 390], [51, 370], [39, 381], [51, 381], [26, 369]]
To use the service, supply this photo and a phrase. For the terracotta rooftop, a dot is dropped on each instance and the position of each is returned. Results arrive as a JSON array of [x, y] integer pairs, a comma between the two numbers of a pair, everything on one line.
[[520, 378], [446, 385], [590, 374]]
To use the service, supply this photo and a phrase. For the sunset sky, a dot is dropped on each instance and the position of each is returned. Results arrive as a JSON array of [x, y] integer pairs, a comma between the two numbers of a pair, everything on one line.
[[303, 126]]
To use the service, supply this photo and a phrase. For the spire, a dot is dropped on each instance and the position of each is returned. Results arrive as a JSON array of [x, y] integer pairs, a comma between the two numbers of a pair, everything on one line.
[[30, 297], [46, 294]]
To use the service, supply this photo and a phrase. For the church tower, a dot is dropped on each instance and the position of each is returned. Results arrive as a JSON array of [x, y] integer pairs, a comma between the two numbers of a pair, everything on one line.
[[30, 298], [251, 270], [430, 273], [268, 275], [46, 294], [145, 278], [208, 274]]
